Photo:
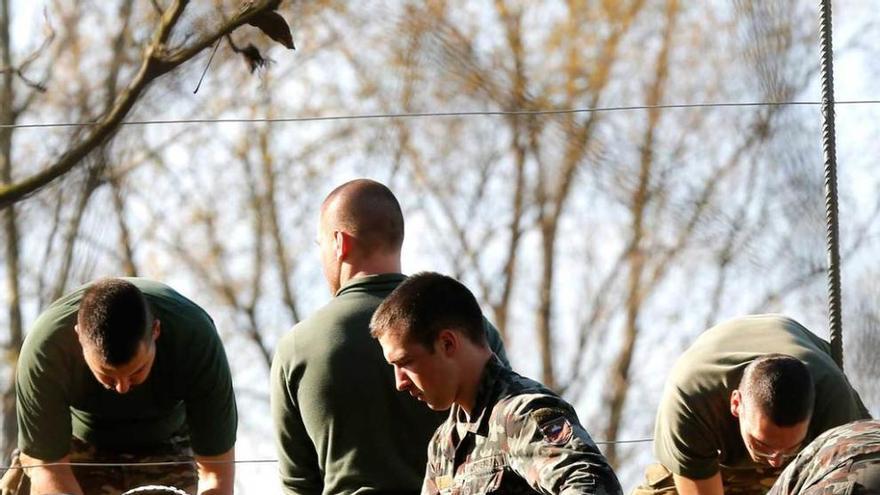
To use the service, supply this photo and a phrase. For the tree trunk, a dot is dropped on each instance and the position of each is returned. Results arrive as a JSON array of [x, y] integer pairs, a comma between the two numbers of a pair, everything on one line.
[[636, 256], [11, 234]]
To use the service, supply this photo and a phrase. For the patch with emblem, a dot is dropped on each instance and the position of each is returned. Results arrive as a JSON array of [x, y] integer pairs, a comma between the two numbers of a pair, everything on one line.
[[553, 425], [443, 482]]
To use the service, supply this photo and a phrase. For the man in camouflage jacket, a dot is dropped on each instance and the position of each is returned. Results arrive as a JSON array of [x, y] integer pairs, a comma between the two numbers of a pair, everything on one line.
[[505, 433], [842, 461]]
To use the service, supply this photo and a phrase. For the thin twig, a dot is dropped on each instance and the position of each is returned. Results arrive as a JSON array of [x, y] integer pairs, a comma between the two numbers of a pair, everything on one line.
[[207, 65]]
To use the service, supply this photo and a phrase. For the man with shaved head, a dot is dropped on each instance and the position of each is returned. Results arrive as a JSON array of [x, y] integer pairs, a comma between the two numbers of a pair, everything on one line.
[[341, 426], [366, 213]]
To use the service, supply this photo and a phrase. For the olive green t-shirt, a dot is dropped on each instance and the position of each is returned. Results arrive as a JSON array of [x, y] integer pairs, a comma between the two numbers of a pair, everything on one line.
[[695, 433], [189, 388]]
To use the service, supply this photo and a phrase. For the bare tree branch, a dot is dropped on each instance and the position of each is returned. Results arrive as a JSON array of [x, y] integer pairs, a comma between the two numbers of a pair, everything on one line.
[[158, 60]]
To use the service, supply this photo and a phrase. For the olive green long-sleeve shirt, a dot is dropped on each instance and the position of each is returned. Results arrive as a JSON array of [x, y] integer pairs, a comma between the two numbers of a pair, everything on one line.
[[341, 426]]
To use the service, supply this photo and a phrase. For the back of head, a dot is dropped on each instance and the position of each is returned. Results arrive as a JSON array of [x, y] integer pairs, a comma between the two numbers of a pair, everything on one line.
[[369, 212], [424, 305], [113, 319], [780, 387]]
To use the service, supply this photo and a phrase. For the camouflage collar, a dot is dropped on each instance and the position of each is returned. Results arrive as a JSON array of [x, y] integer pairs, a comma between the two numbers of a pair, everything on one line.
[[487, 393]]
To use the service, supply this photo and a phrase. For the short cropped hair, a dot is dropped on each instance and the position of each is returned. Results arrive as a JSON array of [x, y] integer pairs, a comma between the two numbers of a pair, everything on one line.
[[114, 318], [369, 212], [426, 304], [781, 387]]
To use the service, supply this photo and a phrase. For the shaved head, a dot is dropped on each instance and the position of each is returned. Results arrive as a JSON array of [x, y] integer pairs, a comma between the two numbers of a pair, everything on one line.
[[780, 387], [369, 212]]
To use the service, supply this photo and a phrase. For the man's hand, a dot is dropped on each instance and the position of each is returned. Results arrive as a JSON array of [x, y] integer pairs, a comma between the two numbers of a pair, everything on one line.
[[708, 486], [51, 479], [216, 473]]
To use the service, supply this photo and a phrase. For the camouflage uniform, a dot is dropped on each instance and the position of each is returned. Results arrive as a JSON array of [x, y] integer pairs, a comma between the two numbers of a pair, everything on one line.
[[112, 480], [842, 461], [746, 480], [523, 439]]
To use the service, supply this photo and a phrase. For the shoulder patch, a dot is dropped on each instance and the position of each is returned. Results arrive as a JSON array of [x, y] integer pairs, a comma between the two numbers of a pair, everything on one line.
[[554, 425]]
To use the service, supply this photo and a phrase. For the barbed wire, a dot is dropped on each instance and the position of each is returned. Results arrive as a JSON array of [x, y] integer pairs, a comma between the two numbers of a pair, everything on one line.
[[465, 113], [237, 461]]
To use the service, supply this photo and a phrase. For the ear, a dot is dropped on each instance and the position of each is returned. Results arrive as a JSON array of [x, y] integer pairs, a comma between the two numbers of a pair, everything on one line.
[[342, 243], [735, 403], [447, 342], [83, 342], [157, 329]]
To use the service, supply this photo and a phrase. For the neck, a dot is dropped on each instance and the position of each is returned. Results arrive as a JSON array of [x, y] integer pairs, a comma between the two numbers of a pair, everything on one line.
[[375, 265], [472, 375]]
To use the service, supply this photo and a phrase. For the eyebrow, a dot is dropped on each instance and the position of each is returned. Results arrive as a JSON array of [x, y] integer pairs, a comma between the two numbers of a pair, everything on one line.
[[399, 358], [134, 372], [762, 444]]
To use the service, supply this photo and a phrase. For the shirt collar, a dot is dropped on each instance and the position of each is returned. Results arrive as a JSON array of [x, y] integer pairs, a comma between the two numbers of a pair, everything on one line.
[[371, 283], [487, 394]]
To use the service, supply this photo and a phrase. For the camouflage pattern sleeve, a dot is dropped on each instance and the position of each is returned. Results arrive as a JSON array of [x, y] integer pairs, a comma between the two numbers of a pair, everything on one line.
[[549, 448], [429, 485], [842, 461]]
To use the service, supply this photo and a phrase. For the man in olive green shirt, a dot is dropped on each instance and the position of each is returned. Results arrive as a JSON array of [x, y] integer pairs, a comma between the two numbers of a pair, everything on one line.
[[121, 370], [742, 401], [341, 426]]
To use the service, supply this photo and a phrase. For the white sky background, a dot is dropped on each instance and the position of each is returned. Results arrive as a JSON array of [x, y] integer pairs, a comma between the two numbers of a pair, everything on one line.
[[857, 128]]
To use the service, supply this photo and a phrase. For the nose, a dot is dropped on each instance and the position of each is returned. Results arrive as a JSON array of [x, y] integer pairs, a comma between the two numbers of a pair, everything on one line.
[[400, 380], [122, 386]]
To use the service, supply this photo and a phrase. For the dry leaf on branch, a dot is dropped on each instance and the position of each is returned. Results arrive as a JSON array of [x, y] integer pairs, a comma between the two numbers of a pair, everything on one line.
[[274, 26]]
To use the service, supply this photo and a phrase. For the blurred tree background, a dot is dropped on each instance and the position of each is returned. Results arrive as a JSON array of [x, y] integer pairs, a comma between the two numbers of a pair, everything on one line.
[[600, 243]]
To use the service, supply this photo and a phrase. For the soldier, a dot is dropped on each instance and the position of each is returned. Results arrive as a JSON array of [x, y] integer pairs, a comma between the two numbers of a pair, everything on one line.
[[741, 402], [125, 370], [340, 425], [504, 433], [842, 461]]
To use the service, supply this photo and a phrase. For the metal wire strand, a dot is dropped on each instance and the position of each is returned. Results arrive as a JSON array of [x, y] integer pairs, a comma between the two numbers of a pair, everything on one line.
[[474, 113], [238, 461]]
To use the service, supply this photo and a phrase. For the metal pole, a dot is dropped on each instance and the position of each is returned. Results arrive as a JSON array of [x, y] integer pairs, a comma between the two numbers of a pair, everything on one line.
[[828, 148]]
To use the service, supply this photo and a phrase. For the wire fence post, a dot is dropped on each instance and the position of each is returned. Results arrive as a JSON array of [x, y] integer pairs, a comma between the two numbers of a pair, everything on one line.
[[831, 214]]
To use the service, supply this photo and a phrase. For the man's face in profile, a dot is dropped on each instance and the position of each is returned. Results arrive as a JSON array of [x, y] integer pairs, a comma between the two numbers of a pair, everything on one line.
[[766, 442], [426, 374]]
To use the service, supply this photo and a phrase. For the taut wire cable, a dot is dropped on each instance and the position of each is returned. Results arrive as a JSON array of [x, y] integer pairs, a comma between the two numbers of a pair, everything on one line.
[[464, 113], [238, 461]]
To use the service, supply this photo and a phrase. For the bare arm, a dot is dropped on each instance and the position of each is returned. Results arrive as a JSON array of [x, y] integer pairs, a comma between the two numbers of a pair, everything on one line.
[[708, 486], [50, 479], [216, 473]]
